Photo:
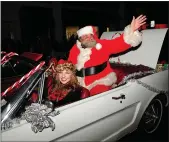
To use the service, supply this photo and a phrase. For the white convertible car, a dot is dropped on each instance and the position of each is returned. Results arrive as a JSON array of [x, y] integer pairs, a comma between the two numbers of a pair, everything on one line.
[[137, 102]]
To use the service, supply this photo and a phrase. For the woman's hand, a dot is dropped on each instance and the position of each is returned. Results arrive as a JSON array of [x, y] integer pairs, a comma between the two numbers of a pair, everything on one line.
[[138, 22]]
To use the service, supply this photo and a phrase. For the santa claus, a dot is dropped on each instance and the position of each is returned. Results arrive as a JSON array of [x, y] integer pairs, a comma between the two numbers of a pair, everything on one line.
[[91, 55]]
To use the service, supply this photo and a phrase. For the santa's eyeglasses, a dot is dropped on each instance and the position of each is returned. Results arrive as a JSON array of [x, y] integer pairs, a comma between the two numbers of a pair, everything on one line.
[[86, 37]]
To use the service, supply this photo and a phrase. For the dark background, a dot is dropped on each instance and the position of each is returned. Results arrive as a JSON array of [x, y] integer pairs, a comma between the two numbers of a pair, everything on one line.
[[41, 26]]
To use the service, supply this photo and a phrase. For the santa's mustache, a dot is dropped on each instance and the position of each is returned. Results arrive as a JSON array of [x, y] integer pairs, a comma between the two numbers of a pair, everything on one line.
[[89, 44]]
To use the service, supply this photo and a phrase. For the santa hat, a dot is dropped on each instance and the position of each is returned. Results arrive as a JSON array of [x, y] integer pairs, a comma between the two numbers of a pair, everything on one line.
[[89, 30], [61, 61]]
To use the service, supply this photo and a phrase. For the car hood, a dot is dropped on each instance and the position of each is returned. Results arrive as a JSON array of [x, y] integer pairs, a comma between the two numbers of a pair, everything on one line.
[[147, 53]]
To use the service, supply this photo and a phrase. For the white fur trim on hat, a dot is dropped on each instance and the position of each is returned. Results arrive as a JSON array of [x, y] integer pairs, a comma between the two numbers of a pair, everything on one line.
[[98, 46], [85, 30]]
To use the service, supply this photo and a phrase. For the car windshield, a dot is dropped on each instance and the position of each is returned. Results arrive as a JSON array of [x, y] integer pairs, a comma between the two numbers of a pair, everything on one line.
[[2, 55], [13, 70], [15, 66]]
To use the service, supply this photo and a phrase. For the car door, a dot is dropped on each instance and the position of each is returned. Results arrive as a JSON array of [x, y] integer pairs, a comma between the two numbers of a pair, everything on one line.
[[102, 117]]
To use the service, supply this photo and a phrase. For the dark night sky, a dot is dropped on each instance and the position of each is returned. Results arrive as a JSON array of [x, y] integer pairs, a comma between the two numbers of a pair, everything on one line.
[[82, 13], [109, 10]]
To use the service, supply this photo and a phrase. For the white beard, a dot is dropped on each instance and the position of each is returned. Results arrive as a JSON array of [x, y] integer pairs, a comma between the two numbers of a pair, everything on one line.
[[83, 57]]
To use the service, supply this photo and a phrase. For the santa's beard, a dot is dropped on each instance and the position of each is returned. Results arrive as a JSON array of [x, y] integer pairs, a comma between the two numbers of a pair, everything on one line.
[[89, 44]]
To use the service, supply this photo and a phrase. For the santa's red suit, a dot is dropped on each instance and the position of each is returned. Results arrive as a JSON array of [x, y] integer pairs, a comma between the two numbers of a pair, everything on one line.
[[98, 55]]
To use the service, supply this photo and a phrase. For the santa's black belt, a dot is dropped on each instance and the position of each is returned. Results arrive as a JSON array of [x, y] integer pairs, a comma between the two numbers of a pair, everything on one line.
[[91, 70]]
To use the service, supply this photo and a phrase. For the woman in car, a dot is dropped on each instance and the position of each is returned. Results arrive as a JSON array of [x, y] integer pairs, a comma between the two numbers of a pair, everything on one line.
[[65, 89]]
